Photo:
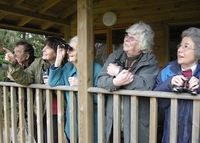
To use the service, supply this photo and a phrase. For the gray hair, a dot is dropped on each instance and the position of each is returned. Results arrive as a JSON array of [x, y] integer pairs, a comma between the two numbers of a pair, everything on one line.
[[144, 34], [194, 34], [74, 39]]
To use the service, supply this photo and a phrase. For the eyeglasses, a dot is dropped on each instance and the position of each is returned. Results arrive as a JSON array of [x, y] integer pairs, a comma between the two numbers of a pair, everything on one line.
[[129, 37], [185, 47]]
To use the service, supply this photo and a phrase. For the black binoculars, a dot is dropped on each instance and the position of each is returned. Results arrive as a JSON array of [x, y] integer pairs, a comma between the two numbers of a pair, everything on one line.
[[184, 88]]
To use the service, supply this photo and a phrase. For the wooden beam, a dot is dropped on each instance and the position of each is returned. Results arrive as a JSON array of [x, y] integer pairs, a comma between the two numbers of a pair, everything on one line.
[[46, 25], [68, 11], [20, 12], [31, 30], [17, 2], [23, 21], [2, 15], [46, 5], [85, 69]]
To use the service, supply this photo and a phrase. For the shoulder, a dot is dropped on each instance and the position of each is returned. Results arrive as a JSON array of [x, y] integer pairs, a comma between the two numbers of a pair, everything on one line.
[[68, 66], [171, 69]]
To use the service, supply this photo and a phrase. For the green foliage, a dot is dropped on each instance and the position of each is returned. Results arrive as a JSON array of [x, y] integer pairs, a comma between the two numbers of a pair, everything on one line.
[[8, 39]]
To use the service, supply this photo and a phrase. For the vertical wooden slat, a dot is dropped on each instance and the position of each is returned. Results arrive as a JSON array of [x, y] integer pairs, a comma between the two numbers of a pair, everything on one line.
[[60, 103], [49, 116], [195, 122], [134, 119], [30, 115], [6, 114], [72, 117], [39, 115], [13, 114], [101, 117], [1, 117], [173, 120], [21, 114], [153, 120], [85, 69], [116, 119]]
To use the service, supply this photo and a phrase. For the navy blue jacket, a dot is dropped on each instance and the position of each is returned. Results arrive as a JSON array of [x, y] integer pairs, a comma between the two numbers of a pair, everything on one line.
[[185, 107]]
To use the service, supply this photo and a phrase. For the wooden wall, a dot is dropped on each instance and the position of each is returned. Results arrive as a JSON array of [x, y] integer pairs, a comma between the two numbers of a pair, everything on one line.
[[160, 14]]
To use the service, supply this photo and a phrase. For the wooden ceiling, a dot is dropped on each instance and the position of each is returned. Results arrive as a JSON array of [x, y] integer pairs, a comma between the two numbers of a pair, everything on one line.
[[37, 16]]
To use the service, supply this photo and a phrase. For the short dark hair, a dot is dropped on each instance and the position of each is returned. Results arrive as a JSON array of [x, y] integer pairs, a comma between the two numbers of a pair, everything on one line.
[[54, 41], [28, 48]]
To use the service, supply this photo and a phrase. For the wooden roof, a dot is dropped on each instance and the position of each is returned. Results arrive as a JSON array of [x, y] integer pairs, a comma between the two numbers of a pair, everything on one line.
[[37, 16]]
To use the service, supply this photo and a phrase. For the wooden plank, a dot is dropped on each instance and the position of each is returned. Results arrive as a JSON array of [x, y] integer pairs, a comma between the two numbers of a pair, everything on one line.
[[21, 114], [14, 117], [73, 117], [49, 116], [6, 114], [61, 116], [1, 118], [173, 121], [85, 69], [134, 119], [39, 109], [30, 107], [116, 119], [153, 120], [101, 118], [195, 122]]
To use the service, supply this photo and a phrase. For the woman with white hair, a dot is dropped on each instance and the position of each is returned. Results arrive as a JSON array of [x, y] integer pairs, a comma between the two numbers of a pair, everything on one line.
[[134, 67]]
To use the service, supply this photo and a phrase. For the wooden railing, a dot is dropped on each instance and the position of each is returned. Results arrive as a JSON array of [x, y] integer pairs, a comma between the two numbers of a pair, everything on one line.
[[9, 107]]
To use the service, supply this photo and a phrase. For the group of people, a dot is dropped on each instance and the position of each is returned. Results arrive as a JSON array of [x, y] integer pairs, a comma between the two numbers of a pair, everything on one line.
[[134, 67]]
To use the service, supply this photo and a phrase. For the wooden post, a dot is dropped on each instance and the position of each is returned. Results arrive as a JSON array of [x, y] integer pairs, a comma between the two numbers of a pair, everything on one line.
[[85, 69]]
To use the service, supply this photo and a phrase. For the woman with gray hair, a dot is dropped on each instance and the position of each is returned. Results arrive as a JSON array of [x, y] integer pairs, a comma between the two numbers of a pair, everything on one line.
[[181, 75], [134, 67]]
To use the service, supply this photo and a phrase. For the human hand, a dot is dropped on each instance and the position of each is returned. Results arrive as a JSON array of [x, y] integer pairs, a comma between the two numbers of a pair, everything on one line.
[[73, 81], [60, 56], [9, 56], [113, 69], [45, 79], [193, 83], [178, 80], [123, 78]]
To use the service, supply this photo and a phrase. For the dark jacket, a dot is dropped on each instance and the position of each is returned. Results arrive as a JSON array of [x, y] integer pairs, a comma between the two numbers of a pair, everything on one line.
[[145, 73], [185, 107]]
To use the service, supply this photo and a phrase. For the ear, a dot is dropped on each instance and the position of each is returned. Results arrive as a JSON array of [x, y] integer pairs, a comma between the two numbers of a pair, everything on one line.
[[27, 56]]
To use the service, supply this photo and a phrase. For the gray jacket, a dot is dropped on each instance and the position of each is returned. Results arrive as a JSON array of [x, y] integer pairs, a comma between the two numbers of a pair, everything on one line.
[[145, 73]]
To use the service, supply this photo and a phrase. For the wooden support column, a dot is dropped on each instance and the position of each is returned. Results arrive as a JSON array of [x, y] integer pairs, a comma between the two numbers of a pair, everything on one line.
[[85, 69]]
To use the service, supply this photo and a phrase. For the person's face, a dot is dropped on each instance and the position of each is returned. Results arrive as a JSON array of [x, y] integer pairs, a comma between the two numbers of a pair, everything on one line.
[[130, 45], [186, 53], [48, 54], [20, 56], [73, 55]]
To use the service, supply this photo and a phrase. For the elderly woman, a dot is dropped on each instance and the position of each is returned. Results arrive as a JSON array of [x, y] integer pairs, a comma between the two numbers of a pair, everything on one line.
[[68, 75], [133, 68], [181, 75]]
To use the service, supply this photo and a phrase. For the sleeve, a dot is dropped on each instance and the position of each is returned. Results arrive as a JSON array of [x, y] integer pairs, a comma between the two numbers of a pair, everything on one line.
[[55, 76], [104, 80], [163, 84], [97, 67], [22, 76]]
